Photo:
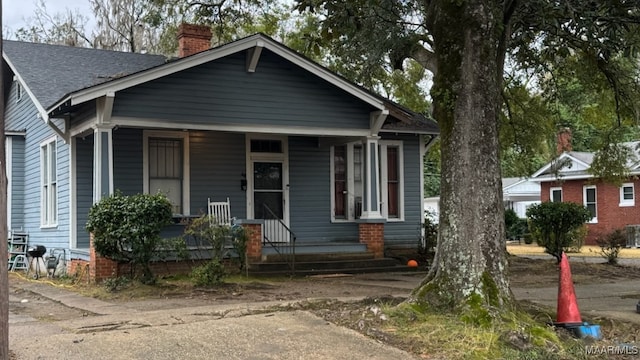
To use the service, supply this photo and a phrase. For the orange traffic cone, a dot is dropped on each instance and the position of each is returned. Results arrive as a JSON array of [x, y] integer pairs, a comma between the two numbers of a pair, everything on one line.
[[568, 312]]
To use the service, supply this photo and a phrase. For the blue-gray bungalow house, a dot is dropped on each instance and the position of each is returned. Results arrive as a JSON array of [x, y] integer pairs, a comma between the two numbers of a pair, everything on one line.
[[252, 121]]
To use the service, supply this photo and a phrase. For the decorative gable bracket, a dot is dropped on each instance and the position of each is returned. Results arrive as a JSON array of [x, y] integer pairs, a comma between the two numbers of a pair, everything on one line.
[[253, 56], [377, 120], [64, 132]]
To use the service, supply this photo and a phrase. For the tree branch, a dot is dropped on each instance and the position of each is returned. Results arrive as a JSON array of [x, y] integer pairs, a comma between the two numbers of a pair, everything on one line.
[[425, 58]]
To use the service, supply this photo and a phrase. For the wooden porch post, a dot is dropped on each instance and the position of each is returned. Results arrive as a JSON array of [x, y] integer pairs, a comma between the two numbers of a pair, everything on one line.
[[371, 204]]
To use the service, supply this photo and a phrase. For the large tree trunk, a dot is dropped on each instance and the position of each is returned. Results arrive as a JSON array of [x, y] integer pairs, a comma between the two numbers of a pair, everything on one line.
[[470, 268]]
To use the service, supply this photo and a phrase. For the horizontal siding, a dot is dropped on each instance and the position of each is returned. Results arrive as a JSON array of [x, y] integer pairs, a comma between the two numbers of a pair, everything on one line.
[[310, 194], [19, 113], [407, 231], [217, 164], [127, 161], [217, 161], [222, 92], [17, 182], [84, 187], [23, 115]]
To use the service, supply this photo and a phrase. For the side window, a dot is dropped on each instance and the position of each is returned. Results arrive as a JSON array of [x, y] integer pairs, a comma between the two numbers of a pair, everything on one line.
[[340, 181], [48, 183], [627, 195], [590, 201], [393, 182]]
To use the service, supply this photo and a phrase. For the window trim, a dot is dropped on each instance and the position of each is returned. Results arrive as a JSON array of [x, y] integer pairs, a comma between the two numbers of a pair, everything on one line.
[[382, 146], [49, 207], [349, 183], [556, 188], [594, 220], [627, 202], [384, 173], [186, 180]]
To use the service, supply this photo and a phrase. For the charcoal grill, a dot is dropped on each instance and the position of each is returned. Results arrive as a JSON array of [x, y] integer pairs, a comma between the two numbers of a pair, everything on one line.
[[36, 252]]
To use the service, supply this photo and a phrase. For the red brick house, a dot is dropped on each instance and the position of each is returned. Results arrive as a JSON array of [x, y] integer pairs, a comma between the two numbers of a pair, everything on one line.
[[567, 179]]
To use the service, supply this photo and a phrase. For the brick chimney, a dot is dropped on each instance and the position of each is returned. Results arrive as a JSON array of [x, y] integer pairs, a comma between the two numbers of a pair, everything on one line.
[[564, 141], [193, 39]]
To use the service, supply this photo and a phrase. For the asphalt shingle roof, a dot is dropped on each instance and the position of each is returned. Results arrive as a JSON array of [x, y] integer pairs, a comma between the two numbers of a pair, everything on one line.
[[53, 71]]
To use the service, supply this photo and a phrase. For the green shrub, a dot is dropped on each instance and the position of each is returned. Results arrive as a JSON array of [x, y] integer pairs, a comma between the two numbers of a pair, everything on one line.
[[556, 225], [528, 238], [218, 241], [127, 229], [611, 244], [210, 273]]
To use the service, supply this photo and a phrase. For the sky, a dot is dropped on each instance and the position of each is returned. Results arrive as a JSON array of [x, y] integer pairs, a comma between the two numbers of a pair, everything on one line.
[[15, 12]]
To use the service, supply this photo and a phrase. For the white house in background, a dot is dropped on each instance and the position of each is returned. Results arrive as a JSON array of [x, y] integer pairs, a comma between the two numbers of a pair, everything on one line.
[[432, 206], [518, 194]]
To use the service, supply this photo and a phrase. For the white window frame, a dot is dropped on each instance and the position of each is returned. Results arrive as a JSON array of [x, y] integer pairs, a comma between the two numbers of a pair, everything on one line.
[[594, 219], [49, 197], [383, 196], [551, 193], [627, 202], [186, 181]]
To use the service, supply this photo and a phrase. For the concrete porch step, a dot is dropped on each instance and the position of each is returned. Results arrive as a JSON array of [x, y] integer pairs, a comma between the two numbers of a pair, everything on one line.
[[315, 248]]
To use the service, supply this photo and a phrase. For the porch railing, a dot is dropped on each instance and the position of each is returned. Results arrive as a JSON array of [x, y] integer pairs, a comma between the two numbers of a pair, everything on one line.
[[279, 237]]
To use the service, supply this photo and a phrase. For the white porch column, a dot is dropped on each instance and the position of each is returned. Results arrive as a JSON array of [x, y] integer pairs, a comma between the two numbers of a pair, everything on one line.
[[102, 162], [371, 201]]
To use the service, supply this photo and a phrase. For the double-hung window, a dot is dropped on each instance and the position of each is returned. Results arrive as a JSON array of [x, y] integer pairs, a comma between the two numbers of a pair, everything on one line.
[[627, 195], [590, 201], [166, 168], [348, 178], [390, 180], [555, 194], [48, 181]]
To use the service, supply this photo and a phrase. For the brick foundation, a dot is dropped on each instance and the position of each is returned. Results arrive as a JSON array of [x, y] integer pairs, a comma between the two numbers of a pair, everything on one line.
[[100, 268], [372, 234], [78, 268]]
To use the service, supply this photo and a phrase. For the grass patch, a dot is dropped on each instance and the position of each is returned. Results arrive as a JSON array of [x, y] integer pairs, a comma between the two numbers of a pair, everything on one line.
[[517, 336]]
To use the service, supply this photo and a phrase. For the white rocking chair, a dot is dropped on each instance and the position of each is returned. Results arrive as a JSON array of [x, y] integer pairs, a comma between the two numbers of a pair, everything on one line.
[[220, 212]]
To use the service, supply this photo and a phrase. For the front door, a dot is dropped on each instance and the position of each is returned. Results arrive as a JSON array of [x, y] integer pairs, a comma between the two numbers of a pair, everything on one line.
[[268, 185], [269, 200]]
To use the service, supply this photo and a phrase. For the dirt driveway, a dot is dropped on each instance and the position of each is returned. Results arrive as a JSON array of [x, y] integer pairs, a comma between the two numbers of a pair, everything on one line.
[[525, 273], [33, 315]]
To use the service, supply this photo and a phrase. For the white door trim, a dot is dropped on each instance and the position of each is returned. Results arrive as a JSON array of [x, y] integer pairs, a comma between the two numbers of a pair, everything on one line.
[[268, 157]]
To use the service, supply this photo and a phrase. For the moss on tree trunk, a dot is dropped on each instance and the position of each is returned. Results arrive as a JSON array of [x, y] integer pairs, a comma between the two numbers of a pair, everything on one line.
[[470, 268]]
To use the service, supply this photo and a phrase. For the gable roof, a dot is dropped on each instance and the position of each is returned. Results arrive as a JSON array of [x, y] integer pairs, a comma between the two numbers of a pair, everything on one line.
[[77, 75], [50, 72], [575, 165]]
